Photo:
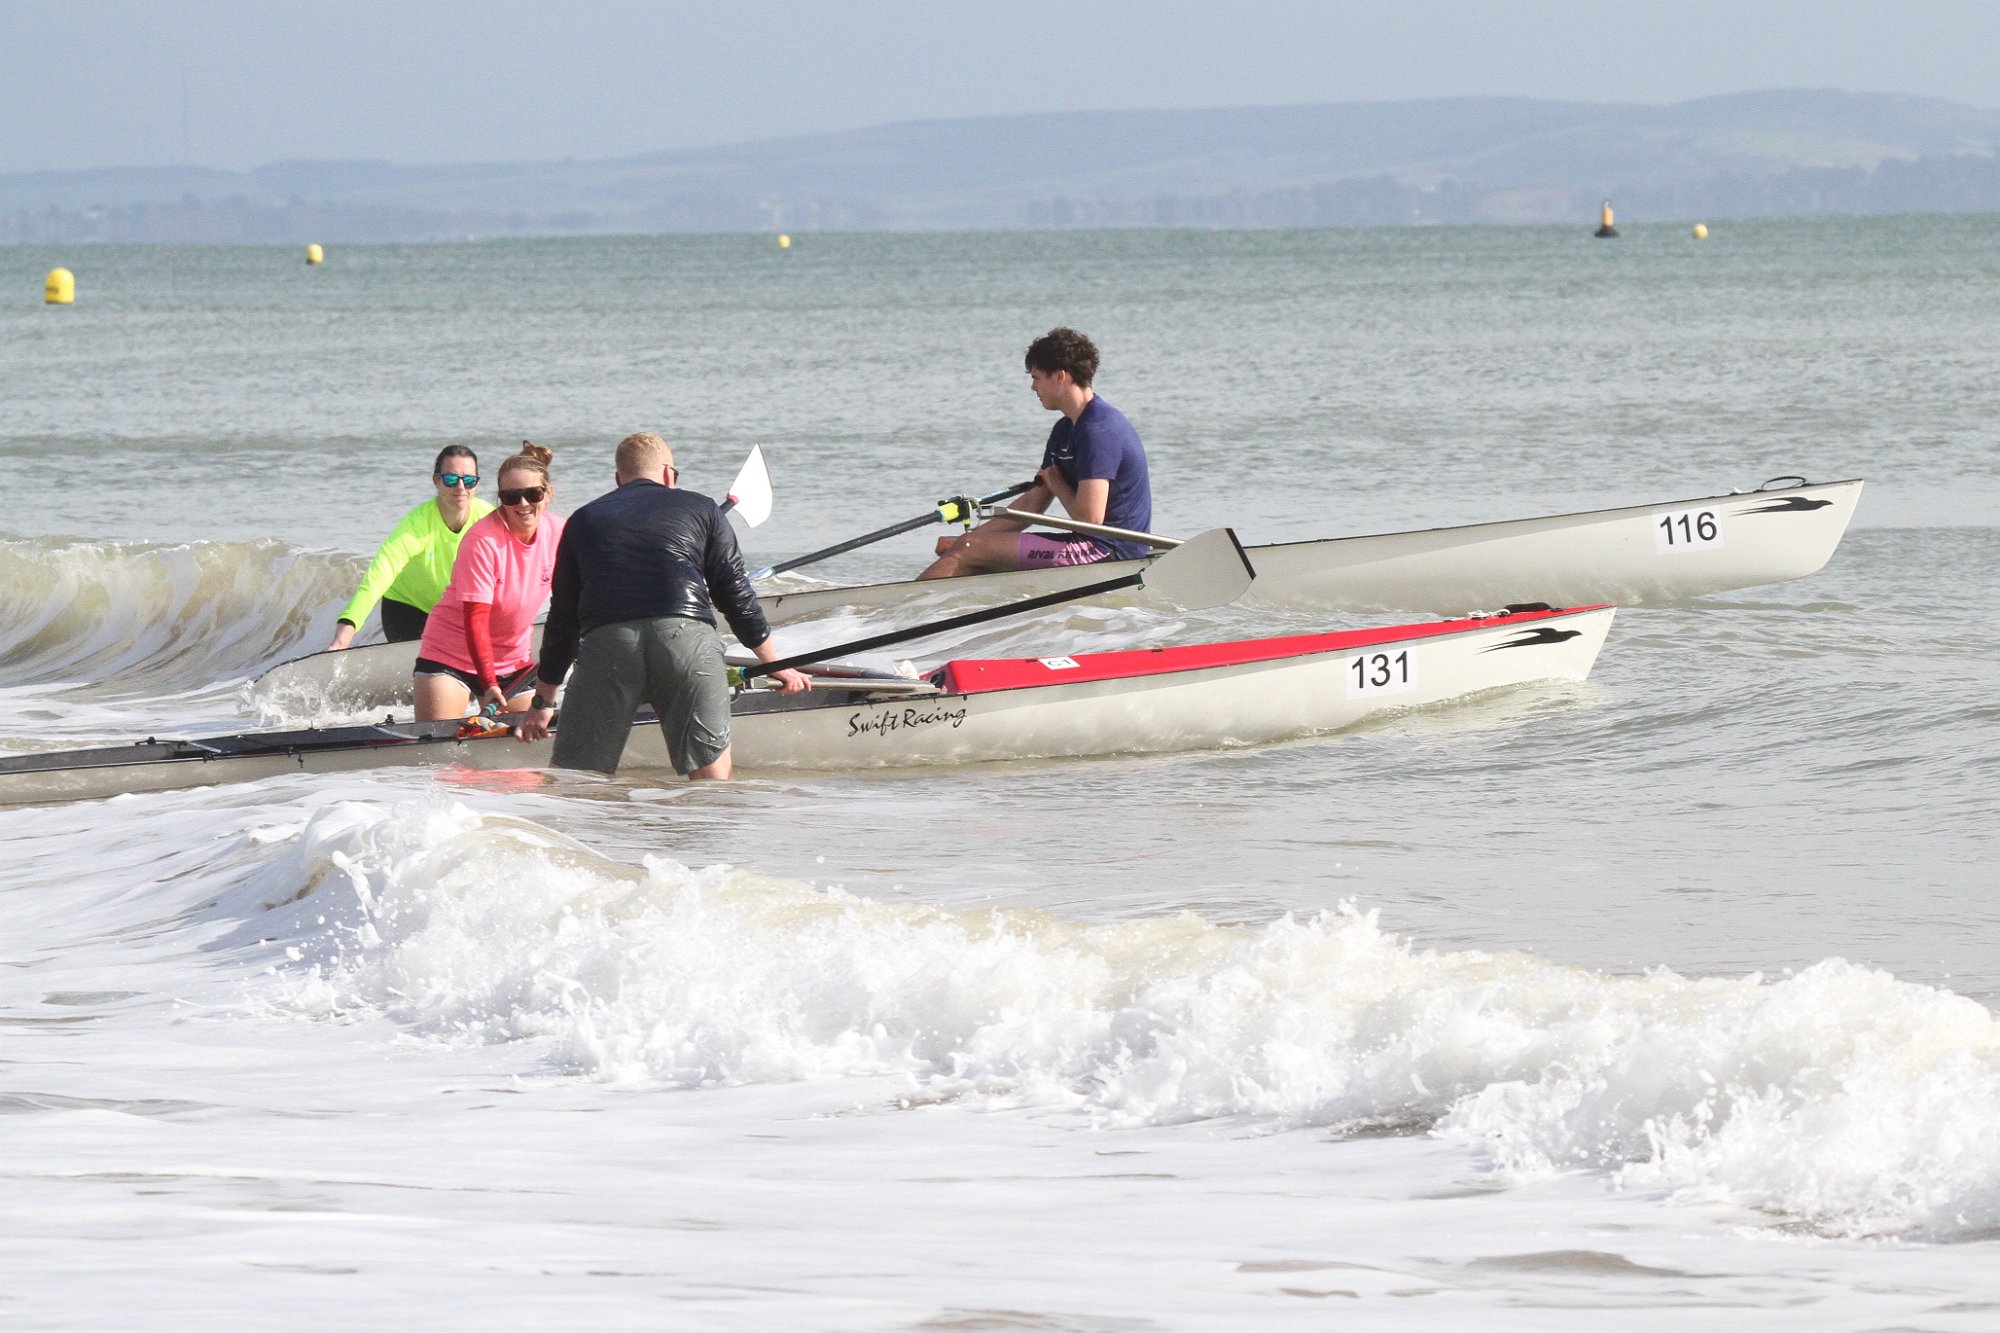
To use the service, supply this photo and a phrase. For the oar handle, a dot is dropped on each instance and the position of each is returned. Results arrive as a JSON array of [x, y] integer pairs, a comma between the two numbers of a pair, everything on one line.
[[944, 511]]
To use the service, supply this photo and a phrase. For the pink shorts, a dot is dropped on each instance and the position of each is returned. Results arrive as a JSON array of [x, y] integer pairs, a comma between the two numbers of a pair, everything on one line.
[[1035, 552]]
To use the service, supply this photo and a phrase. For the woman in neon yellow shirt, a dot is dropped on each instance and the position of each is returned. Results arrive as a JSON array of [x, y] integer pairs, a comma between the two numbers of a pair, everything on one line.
[[410, 572]]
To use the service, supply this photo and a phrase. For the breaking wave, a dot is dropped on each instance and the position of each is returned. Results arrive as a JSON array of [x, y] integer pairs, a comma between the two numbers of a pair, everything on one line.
[[146, 616], [1838, 1099]]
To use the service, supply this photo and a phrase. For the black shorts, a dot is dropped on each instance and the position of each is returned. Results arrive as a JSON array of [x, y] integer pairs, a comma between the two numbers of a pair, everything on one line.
[[510, 685], [401, 622]]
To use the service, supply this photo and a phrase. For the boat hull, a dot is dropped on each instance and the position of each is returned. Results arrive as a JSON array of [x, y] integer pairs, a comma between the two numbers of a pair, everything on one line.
[[971, 711], [1189, 708]]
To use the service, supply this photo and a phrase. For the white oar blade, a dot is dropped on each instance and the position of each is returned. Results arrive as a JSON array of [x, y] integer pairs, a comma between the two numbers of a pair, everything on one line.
[[751, 491], [1209, 569]]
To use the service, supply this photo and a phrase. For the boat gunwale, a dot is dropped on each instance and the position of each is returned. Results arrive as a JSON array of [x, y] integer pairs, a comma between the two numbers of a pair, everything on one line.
[[1551, 518]]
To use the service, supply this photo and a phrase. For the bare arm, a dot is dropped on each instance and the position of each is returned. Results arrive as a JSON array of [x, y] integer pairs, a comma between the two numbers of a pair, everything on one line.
[[790, 681], [1086, 502]]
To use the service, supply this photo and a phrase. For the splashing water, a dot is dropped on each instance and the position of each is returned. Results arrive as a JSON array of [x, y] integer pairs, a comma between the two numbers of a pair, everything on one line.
[[1839, 1098], [123, 618]]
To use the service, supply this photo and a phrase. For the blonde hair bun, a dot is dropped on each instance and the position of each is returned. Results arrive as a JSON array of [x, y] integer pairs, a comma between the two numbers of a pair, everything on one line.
[[532, 457]]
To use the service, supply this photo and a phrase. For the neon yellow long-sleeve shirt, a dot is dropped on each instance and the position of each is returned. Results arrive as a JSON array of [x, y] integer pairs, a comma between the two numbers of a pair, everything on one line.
[[414, 563]]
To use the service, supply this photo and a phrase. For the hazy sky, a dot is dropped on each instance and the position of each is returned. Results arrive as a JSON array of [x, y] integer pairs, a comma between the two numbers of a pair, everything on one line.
[[87, 83]]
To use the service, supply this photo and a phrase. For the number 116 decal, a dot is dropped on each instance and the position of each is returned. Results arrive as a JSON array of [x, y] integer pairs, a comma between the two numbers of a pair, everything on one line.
[[1689, 530], [1381, 673]]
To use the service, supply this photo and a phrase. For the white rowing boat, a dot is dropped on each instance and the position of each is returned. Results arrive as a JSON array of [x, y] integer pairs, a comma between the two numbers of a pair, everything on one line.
[[1163, 699], [966, 711], [1639, 555]]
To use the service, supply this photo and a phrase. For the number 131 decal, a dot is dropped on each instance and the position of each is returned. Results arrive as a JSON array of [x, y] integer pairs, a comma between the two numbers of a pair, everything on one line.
[[1382, 673]]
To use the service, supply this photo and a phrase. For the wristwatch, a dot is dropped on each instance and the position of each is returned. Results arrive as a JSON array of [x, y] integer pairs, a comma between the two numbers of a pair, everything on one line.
[[537, 701]]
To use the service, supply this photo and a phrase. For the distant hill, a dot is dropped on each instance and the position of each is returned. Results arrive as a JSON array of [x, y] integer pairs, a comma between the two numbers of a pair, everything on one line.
[[1453, 160]]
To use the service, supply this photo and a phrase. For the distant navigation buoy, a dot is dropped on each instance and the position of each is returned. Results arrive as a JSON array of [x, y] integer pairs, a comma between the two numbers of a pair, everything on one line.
[[1606, 229], [315, 255], [60, 287], [1701, 231], [784, 241]]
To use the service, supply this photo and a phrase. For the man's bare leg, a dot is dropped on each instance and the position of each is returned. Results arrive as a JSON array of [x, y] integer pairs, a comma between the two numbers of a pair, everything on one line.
[[980, 551], [720, 770]]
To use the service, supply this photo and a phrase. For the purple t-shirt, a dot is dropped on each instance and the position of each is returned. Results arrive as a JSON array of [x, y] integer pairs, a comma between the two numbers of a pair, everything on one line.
[[1100, 445]]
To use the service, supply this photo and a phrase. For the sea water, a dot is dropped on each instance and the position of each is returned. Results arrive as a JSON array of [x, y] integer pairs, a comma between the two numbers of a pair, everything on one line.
[[1664, 996]]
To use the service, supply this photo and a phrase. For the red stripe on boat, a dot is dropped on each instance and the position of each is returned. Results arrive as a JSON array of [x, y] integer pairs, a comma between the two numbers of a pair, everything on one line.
[[976, 675]]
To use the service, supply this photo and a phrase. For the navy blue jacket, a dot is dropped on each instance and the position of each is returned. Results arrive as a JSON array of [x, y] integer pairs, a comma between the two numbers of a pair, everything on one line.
[[641, 551]]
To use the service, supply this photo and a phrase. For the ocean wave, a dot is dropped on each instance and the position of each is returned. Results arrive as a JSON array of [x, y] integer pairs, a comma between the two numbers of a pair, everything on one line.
[[144, 616], [1839, 1099]]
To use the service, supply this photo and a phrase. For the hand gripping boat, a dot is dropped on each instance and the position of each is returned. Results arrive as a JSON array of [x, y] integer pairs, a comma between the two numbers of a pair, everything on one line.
[[1641, 555], [966, 711]]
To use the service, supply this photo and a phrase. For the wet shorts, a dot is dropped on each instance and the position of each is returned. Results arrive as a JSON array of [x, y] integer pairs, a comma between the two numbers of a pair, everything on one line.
[[674, 664], [1039, 552], [512, 683]]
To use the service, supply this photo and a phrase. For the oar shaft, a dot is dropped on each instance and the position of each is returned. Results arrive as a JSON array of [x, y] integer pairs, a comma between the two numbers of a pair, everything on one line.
[[941, 626], [1093, 529], [882, 534], [851, 544]]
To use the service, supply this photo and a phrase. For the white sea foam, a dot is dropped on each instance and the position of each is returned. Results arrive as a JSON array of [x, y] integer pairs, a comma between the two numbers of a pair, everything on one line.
[[1839, 1098]]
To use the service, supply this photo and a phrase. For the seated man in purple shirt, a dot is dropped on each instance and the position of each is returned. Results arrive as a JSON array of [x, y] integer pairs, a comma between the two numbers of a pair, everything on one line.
[[1094, 464]]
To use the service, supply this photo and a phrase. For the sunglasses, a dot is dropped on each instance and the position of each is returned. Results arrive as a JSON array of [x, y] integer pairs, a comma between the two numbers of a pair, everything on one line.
[[528, 495], [468, 479]]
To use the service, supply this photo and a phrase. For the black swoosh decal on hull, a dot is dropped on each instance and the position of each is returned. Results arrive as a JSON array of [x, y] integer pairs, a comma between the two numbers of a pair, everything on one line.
[[1536, 638], [1797, 504]]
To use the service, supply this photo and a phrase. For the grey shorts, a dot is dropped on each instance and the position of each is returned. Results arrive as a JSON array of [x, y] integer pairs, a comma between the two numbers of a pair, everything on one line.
[[674, 664]]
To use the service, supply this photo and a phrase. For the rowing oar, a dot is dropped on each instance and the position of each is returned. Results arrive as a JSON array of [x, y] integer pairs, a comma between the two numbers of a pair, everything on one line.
[[958, 509], [1209, 569], [750, 493]]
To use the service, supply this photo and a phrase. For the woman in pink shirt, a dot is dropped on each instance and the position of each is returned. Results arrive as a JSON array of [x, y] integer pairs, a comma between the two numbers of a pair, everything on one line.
[[479, 641]]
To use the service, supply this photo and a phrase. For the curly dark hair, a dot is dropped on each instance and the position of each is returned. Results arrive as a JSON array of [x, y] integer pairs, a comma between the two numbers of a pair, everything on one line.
[[1064, 349]]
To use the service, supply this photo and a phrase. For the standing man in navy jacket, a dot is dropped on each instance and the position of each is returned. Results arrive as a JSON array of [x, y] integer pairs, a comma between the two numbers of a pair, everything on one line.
[[637, 577], [1094, 463]]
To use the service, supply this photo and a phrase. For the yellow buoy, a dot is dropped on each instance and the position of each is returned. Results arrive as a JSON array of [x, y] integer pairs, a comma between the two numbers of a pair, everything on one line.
[[60, 287], [315, 255], [784, 242], [1701, 231], [1605, 229]]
